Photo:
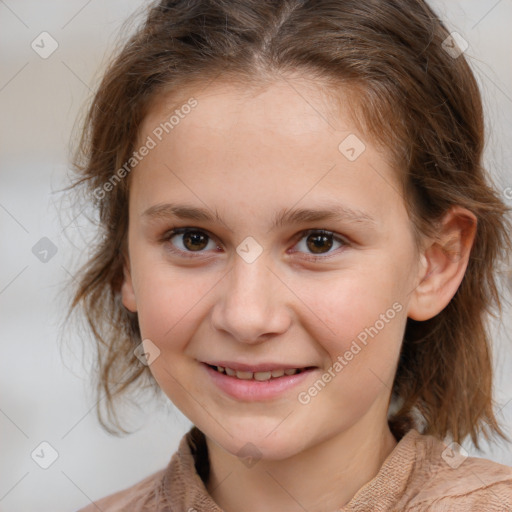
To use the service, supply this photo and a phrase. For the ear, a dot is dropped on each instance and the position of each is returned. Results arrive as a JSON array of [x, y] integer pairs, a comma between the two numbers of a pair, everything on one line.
[[127, 292], [444, 262]]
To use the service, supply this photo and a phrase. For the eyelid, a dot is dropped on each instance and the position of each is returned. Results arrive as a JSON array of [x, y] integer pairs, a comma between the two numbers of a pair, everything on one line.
[[322, 256], [170, 233]]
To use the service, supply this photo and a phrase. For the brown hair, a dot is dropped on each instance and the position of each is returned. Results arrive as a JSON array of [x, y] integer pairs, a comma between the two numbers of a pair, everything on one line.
[[419, 102]]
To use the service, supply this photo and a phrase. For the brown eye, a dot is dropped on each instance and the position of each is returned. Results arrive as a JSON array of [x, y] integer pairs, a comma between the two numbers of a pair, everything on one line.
[[195, 240], [319, 243], [187, 240]]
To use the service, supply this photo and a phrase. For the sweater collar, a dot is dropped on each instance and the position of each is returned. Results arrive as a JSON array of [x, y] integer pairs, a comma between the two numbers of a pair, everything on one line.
[[186, 491]]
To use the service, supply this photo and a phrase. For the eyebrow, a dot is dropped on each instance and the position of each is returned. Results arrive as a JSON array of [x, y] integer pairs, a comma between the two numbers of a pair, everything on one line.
[[330, 212]]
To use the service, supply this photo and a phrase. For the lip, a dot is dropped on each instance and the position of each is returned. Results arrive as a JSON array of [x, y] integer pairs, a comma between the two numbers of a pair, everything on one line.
[[260, 367], [253, 390]]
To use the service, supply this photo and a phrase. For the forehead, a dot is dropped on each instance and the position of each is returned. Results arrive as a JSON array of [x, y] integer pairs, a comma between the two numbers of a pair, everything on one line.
[[283, 137], [272, 102]]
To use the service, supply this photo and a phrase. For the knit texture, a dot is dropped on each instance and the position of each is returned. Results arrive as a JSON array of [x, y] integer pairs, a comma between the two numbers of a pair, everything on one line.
[[417, 476]]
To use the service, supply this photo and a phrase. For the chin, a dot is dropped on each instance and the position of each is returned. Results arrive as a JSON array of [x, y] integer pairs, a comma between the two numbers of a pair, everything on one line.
[[252, 442]]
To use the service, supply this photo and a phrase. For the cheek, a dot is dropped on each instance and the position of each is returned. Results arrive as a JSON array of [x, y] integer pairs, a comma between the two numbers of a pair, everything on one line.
[[168, 299], [362, 356], [359, 322], [169, 308], [359, 304]]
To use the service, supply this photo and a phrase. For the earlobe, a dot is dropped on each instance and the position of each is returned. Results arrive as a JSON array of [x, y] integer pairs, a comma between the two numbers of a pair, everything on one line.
[[127, 292], [444, 263]]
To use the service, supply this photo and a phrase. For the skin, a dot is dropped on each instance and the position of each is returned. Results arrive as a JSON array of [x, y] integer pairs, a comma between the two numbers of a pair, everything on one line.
[[247, 154]]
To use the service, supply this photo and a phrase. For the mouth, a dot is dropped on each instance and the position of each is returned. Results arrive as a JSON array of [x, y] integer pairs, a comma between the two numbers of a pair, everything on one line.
[[257, 383], [260, 376]]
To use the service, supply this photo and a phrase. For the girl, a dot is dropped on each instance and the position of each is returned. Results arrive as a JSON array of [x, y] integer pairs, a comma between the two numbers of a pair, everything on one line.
[[299, 248]]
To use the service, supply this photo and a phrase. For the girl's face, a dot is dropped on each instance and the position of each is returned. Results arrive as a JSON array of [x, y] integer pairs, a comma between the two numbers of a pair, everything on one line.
[[298, 253]]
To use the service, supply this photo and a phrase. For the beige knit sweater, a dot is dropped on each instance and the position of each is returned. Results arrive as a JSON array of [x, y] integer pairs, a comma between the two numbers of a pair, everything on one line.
[[419, 475]]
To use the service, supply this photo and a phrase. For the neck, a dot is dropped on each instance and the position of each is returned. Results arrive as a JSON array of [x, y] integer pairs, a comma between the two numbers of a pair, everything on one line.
[[321, 478]]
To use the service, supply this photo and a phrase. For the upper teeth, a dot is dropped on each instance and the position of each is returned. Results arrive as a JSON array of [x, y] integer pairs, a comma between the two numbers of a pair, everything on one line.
[[256, 375]]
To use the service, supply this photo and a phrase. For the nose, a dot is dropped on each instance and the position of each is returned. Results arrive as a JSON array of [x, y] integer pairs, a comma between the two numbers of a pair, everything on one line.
[[252, 303]]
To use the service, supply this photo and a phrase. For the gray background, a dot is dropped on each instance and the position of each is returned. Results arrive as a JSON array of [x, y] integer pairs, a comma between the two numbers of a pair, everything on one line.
[[46, 394]]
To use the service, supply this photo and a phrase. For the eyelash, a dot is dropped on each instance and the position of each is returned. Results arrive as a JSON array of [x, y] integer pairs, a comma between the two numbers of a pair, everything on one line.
[[168, 235]]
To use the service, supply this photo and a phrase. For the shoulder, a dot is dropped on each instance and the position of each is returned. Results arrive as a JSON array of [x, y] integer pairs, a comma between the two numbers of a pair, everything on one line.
[[144, 494], [445, 480], [176, 487]]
